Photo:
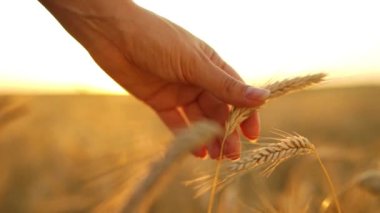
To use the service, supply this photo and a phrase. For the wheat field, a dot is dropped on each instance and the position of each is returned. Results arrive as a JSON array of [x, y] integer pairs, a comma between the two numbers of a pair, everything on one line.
[[83, 153]]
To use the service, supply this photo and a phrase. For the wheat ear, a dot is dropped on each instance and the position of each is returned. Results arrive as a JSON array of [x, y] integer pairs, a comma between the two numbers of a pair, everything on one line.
[[161, 171], [267, 157], [238, 115], [277, 89], [273, 154]]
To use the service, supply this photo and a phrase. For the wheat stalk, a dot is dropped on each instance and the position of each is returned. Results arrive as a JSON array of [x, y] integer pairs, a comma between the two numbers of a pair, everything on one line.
[[238, 115], [368, 181], [162, 170], [268, 157]]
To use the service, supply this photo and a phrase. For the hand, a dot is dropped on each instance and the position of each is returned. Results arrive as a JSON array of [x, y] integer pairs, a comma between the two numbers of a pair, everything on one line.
[[161, 64]]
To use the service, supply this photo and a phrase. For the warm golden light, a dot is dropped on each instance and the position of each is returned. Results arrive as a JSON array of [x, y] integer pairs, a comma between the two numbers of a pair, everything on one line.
[[262, 40]]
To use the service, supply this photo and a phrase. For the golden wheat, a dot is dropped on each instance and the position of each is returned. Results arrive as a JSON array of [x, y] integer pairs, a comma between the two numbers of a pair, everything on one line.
[[10, 111], [269, 156], [162, 170], [273, 154], [280, 88], [277, 89], [368, 181], [238, 115]]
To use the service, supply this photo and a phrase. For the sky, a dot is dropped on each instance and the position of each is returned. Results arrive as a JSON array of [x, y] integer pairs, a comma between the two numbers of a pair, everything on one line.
[[262, 40]]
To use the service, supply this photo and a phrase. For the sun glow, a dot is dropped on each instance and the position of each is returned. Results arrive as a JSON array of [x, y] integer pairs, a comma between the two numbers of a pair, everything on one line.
[[262, 40]]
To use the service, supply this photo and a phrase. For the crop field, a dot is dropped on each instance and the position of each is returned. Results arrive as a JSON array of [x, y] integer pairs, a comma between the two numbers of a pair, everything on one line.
[[82, 153]]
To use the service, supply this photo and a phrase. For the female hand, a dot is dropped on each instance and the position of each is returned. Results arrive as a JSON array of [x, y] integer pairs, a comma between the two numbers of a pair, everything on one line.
[[161, 64]]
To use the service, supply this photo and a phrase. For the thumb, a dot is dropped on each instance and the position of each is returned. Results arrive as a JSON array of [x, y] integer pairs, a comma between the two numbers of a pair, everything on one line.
[[226, 88]]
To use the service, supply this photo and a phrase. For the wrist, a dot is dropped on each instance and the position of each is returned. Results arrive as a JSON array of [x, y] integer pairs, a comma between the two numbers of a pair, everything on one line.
[[93, 8], [77, 16]]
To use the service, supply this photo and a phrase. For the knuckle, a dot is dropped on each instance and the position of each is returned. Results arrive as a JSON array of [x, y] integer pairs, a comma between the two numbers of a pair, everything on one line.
[[229, 86], [187, 70]]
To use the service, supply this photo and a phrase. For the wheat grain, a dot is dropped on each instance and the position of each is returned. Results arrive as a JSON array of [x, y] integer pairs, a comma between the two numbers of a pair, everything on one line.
[[277, 89], [268, 157], [238, 115], [283, 87], [274, 153]]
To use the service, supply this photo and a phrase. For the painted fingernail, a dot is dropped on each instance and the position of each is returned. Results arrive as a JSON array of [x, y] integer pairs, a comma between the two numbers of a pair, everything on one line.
[[256, 94], [232, 147], [214, 149], [200, 152]]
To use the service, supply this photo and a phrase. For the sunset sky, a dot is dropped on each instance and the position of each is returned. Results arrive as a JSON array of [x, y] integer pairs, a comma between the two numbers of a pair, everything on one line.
[[262, 40]]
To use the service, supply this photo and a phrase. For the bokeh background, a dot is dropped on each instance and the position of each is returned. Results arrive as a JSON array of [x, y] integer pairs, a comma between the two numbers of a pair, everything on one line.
[[70, 138], [262, 40]]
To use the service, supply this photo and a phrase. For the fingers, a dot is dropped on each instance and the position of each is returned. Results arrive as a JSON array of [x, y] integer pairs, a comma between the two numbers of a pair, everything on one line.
[[203, 108], [213, 108], [223, 85], [217, 110], [231, 147], [176, 121], [207, 106], [172, 119], [251, 126], [193, 114], [210, 107], [200, 152], [213, 148]]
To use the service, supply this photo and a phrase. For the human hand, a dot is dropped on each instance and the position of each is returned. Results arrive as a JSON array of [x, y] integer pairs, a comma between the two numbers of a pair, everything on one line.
[[163, 65]]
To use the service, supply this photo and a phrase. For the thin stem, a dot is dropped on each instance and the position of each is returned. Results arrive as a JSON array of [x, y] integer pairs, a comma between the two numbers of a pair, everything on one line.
[[215, 180], [331, 185]]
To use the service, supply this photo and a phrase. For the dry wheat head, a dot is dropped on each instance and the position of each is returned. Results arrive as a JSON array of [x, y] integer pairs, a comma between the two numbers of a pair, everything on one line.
[[267, 157], [277, 89], [273, 153]]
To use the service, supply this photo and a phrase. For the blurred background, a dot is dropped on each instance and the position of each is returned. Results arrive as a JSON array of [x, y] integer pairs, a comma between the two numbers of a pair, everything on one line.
[[70, 137], [262, 40]]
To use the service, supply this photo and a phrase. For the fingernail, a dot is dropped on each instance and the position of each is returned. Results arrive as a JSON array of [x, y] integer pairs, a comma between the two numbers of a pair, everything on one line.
[[200, 152], [256, 94], [214, 149], [232, 147]]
